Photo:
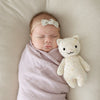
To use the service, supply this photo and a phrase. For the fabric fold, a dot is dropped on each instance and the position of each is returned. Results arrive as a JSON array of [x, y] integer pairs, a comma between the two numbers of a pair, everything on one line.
[[38, 75]]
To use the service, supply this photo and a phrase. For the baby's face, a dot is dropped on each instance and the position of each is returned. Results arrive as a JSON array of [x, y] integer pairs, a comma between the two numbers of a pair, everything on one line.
[[44, 37]]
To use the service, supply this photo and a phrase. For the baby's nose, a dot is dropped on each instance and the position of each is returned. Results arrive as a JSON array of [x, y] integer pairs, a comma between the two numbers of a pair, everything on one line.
[[48, 39]]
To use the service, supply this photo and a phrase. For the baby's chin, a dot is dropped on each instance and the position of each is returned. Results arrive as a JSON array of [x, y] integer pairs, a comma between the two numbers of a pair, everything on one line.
[[48, 49]]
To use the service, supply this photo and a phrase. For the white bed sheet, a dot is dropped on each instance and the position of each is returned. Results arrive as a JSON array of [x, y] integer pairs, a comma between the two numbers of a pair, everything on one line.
[[76, 16]]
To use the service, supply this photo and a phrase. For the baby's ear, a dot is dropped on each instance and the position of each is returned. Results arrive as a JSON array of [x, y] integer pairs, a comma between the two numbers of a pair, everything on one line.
[[76, 37], [58, 41]]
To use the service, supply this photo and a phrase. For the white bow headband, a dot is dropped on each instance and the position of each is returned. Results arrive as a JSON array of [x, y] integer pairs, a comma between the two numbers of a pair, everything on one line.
[[45, 22]]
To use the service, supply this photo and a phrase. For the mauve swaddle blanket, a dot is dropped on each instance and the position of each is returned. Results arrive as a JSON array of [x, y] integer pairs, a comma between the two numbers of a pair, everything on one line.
[[38, 79]]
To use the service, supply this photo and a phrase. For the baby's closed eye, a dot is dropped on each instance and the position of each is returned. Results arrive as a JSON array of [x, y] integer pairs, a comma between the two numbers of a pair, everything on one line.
[[54, 36], [40, 36]]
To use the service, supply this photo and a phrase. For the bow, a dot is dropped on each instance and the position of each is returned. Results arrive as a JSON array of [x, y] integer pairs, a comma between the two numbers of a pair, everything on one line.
[[45, 22]]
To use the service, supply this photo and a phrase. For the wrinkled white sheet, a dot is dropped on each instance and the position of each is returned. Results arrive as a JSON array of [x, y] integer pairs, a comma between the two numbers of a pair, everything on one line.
[[75, 16]]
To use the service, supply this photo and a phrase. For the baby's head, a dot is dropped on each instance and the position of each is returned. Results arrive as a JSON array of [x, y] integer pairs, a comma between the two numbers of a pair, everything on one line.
[[45, 30]]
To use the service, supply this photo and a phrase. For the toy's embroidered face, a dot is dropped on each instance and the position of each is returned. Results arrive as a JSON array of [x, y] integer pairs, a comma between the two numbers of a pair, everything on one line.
[[68, 46]]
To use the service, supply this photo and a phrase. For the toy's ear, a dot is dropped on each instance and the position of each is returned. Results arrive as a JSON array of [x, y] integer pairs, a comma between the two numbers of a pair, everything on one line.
[[58, 41], [76, 37]]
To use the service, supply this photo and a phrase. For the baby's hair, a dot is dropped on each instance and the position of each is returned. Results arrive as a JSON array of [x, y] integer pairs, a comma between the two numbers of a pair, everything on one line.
[[39, 16]]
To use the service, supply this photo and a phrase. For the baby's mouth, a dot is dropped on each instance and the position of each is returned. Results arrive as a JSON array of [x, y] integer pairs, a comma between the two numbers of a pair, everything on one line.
[[48, 46], [70, 53]]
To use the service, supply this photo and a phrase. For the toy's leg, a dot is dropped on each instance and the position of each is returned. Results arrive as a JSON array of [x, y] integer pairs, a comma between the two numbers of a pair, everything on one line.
[[71, 82], [80, 81]]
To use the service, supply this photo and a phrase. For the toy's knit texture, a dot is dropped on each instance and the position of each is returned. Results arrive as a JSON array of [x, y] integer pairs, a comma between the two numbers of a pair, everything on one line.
[[73, 67]]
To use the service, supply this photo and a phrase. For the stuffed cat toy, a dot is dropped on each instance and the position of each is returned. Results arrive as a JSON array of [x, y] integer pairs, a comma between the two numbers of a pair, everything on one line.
[[73, 67]]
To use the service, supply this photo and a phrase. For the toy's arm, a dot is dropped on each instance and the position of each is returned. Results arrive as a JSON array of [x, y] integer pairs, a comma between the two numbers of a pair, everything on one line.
[[60, 69], [84, 64]]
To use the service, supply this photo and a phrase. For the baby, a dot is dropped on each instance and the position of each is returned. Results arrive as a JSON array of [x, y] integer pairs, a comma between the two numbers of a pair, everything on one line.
[[38, 79]]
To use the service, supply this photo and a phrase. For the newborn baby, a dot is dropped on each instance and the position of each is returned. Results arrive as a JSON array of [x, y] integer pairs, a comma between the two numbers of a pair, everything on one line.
[[37, 75]]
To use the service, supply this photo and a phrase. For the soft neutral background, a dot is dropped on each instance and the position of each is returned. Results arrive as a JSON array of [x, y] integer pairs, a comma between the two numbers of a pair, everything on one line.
[[76, 16]]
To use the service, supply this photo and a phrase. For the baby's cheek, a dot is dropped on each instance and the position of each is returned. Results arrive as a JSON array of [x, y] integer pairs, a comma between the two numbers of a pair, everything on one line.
[[38, 43], [55, 43]]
